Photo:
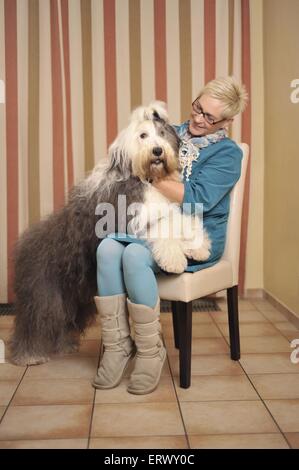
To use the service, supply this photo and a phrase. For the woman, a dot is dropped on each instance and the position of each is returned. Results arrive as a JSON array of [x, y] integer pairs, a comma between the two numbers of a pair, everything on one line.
[[126, 271]]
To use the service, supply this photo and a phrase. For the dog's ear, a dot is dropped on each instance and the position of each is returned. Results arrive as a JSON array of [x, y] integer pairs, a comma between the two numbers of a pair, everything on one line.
[[118, 156], [120, 163], [158, 111], [155, 111]]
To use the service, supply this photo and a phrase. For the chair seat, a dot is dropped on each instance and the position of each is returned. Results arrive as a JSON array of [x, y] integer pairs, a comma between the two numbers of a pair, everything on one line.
[[190, 286]]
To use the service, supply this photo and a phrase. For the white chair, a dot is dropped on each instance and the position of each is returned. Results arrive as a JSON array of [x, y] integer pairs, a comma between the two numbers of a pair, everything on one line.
[[182, 289]]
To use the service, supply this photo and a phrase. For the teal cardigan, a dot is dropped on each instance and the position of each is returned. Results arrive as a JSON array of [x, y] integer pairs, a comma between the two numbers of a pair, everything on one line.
[[214, 174]]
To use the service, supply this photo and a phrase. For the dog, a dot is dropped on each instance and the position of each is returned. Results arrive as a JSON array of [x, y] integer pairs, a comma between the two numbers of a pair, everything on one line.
[[55, 260]]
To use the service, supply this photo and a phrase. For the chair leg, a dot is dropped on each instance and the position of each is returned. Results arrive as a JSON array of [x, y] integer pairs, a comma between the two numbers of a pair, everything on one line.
[[233, 320], [175, 322], [185, 329]]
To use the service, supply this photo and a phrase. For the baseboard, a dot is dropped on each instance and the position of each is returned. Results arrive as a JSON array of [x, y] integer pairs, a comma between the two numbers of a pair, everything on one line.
[[291, 316], [254, 294], [263, 294]]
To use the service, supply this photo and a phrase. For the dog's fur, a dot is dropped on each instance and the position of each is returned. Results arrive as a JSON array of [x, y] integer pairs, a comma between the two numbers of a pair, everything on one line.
[[55, 260]]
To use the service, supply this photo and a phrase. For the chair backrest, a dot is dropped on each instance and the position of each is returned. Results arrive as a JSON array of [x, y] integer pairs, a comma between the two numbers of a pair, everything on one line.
[[233, 235]]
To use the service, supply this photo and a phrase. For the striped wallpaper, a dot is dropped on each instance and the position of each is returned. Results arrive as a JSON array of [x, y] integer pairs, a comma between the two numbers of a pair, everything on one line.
[[74, 69]]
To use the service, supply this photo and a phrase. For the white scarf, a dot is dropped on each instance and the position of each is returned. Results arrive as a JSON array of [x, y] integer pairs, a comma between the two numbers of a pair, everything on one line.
[[191, 145]]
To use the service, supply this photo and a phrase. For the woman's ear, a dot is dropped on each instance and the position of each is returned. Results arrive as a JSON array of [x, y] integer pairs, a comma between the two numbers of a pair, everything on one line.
[[228, 123]]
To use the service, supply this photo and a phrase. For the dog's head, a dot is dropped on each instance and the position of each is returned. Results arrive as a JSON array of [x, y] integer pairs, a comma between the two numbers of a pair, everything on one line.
[[154, 150], [148, 147]]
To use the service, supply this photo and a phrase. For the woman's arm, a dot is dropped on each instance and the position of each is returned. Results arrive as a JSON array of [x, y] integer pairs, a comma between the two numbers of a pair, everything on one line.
[[214, 179], [209, 184], [173, 190]]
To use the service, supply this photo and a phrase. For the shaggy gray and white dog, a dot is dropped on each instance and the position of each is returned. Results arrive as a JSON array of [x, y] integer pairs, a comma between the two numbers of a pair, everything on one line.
[[55, 260]]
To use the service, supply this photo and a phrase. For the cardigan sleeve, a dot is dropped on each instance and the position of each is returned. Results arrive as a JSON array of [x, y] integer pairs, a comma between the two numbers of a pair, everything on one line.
[[213, 179]]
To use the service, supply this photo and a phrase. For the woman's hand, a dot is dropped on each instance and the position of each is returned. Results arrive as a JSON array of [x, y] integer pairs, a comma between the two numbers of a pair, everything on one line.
[[171, 189]]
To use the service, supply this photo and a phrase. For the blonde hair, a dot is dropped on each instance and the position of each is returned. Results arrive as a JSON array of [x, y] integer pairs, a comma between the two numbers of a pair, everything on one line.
[[232, 95]]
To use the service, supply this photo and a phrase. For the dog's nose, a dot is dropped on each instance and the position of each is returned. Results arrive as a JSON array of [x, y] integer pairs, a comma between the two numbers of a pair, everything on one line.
[[157, 151]]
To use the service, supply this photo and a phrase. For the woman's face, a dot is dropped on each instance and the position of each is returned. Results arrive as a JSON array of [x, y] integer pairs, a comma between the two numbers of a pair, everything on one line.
[[202, 124]]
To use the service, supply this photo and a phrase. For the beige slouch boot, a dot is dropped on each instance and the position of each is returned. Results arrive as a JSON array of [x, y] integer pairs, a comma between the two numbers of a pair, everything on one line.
[[151, 353], [117, 342]]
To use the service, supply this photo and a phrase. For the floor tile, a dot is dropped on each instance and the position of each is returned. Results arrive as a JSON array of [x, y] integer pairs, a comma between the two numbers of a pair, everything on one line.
[[243, 305], [286, 326], [218, 364], [2, 410], [264, 344], [7, 389], [201, 346], [211, 388], [7, 321], [197, 317], [54, 392], [227, 417], [276, 363], [139, 419], [11, 372], [166, 317], [46, 422], [148, 442], [199, 330], [222, 304], [45, 444], [52, 406], [246, 304], [93, 332], [293, 439], [286, 414], [164, 393], [5, 334], [288, 330], [201, 317], [67, 367], [290, 335], [251, 329], [274, 316], [263, 304], [88, 347], [248, 316], [239, 441], [271, 386]]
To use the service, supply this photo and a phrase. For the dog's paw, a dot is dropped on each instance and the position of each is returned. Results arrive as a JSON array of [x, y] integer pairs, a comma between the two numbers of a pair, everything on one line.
[[199, 254], [173, 265], [199, 250], [169, 255]]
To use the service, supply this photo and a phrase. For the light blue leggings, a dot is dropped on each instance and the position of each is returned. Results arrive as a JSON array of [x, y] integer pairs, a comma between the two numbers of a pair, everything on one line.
[[127, 269]]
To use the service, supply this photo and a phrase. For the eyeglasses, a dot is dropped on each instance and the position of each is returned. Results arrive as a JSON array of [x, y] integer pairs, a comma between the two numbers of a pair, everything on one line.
[[197, 109]]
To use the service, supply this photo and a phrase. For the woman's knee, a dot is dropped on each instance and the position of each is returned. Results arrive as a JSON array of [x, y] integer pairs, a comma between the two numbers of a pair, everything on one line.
[[138, 269], [109, 250], [136, 257]]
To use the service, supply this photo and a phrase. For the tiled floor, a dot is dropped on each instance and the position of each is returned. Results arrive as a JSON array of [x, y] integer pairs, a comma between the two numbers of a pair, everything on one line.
[[253, 403]]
